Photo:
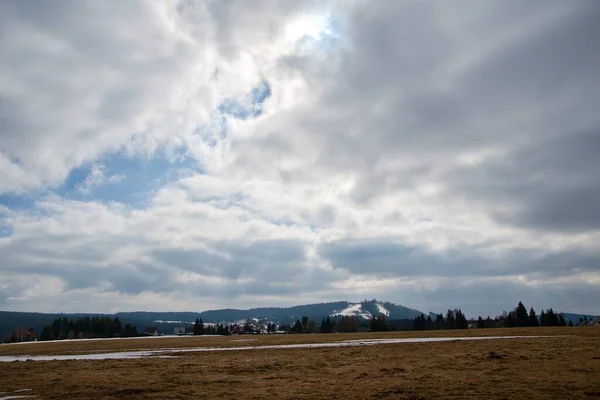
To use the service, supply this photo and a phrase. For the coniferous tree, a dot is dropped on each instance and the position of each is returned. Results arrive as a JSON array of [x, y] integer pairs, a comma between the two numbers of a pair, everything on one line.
[[47, 333], [561, 320], [533, 320], [543, 319], [297, 327], [570, 323], [129, 331], [312, 327], [509, 321], [522, 319], [304, 324], [439, 322], [450, 320], [115, 329], [460, 320], [429, 323], [199, 327]]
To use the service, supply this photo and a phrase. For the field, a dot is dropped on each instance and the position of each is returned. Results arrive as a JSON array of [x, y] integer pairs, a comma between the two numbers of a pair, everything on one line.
[[564, 365]]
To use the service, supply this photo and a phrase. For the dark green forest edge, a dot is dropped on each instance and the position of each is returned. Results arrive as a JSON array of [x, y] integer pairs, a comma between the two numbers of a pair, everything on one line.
[[103, 326]]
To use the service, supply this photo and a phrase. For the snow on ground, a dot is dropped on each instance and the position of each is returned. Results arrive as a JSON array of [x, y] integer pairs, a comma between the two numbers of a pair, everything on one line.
[[17, 396], [383, 310], [354, 310], [117, 338], [164, 353], [160, 321]]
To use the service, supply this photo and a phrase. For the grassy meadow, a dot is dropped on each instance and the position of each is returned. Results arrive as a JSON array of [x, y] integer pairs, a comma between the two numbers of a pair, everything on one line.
[[564, 365]]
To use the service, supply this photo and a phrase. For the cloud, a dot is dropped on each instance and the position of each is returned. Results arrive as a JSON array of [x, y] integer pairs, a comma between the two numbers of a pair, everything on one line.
[[98, 177], [421, 152]]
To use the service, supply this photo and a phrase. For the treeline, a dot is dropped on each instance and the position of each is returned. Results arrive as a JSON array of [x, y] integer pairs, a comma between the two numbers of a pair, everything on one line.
[[87, 328], [455, 319], [519, 317], [201, 329]]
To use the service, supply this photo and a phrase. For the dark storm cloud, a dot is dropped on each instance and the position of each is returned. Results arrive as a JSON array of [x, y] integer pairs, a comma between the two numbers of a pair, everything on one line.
[[552, 184], [386, 258]]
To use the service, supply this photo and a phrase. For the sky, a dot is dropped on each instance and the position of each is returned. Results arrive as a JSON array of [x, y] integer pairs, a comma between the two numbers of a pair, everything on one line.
[[192, 155]]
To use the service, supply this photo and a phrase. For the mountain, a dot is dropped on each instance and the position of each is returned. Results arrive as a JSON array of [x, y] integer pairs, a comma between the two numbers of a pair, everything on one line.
[[373, 308], [166, 321], [575, 318]]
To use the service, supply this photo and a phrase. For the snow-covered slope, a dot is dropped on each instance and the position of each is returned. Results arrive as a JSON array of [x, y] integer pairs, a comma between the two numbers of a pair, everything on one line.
[[373, 308], [354, 310]]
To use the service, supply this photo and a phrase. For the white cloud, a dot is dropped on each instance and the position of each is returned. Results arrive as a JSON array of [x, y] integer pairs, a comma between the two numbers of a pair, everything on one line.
[[97, 177], [395, 133]]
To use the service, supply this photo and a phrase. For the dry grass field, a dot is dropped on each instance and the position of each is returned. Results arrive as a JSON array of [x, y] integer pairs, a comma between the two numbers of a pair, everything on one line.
[[565, 365]]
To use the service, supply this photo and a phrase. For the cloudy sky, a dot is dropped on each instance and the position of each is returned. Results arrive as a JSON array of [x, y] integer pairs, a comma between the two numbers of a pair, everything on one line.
[[187, 155]]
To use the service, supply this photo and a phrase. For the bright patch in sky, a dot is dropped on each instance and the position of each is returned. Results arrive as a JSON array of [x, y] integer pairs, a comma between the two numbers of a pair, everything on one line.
[[312, 26]]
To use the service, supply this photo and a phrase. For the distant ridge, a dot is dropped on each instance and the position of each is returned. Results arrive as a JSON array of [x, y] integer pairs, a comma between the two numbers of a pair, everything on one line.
[[165, 321]]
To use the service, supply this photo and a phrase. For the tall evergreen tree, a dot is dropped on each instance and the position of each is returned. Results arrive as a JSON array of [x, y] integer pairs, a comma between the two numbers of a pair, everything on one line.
[[439, 322], [430, 324], [561, 320], [543, 319], [480, 323], [450, 320], [533, 319], [305, 324], [522, 319], [199, 327], [47, 333], [297, 327]]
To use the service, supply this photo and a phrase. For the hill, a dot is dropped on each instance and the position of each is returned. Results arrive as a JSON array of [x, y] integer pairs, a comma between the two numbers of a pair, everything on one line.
[[165, 321]]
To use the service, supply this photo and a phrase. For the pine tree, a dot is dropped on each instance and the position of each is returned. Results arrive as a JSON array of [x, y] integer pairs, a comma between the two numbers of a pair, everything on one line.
[[305, 324], [509, 321], [543, 319], [480, 323], [552, 318], [199, 327], [439, 322], [47, 333], [129, 331], [533, 320], [522, 319], [561, 320], [297, 327], [450, 320], [430, 324], [115, 329]]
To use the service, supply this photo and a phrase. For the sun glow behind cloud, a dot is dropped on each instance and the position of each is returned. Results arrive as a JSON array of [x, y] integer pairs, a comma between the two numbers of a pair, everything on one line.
[[312, 26]]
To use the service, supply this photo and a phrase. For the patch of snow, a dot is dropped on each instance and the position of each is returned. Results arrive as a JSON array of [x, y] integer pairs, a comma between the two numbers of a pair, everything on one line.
[[160, 321], [354, 310], [15, 397], [163, 353], [171, 336], [383, 310]]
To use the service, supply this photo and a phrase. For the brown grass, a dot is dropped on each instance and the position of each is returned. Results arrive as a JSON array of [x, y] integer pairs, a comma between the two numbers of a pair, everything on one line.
[[565, 365]]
